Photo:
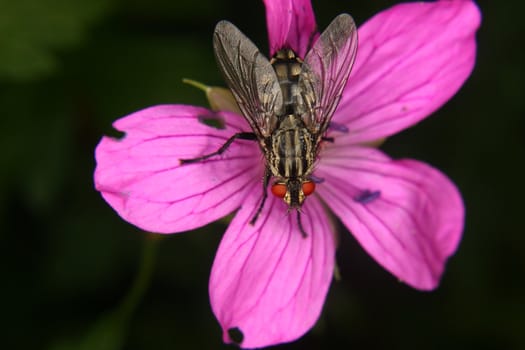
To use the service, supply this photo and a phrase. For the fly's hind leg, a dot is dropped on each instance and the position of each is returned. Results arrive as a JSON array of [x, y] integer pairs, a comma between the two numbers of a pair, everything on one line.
[[223, 148]]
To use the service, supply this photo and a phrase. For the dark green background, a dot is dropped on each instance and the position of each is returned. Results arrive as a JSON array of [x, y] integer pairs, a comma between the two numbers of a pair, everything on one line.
[[69, 68]]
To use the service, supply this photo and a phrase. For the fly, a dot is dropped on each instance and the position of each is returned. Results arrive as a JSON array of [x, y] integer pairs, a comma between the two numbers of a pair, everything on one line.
[[288, 102]]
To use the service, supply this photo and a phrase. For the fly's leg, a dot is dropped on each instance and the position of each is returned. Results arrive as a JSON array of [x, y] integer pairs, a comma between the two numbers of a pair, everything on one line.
[[239, 135], [300, 224], [266, 181]]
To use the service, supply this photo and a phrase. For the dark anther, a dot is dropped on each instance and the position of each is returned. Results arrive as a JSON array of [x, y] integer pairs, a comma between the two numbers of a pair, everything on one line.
[[327, 139], [337, 127], [317, 180], [367, 196], [214, 120], [236, 335]]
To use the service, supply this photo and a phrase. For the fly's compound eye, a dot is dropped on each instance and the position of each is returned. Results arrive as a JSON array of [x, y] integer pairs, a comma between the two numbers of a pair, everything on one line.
[[308, 187], [279, 189]]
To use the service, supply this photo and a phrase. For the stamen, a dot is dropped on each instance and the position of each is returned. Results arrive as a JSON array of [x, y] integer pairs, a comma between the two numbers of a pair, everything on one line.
[[315, 179], [337, 127], [367, 196]]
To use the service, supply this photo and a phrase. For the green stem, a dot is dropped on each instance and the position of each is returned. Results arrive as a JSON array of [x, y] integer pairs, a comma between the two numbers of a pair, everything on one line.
[[142, 279], [196, 84], [109, 332]]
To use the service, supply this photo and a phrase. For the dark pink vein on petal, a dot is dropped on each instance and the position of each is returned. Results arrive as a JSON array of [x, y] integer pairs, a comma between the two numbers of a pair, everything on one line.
[[339, 198], [410, 214], [242, 271]]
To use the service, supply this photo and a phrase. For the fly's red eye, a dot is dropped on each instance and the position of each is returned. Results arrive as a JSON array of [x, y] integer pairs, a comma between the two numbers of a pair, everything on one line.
[[308, 187], [279, 190]]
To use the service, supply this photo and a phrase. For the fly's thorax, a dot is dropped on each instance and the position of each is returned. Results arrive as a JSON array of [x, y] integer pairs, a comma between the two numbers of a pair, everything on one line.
[[290, 151]]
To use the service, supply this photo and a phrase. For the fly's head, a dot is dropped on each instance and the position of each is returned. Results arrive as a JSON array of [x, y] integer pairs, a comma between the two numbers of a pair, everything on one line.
[[293, 191]]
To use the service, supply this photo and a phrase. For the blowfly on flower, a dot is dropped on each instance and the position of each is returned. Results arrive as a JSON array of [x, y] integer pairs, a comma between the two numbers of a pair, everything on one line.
[[287, 101]]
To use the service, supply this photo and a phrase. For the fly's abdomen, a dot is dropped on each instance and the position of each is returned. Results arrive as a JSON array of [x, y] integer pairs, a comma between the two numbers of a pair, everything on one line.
[[287, 69]]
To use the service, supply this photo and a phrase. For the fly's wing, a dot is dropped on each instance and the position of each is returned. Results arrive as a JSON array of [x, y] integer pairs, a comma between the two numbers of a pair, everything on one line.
[[250, 77], [325, 71]]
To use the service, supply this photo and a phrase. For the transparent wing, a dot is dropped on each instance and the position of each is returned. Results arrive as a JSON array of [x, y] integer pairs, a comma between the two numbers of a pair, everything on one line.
[[250, 76], [325, 71]]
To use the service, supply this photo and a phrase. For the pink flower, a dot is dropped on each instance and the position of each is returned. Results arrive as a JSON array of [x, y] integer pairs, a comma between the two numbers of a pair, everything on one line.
[[268, 283]]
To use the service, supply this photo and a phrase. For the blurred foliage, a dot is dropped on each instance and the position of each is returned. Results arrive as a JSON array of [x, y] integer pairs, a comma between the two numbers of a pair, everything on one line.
[[31, 32], [68, 69]]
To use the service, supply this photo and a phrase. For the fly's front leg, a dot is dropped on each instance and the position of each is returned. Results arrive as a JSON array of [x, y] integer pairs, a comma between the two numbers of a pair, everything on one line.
[[266, 181], [223, 148], [300, 224]]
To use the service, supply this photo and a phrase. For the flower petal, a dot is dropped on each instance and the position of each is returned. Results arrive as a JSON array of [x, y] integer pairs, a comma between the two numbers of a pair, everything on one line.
[[290, 24], [407, 215], [140, 175], [411, 59], [268, 283]]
